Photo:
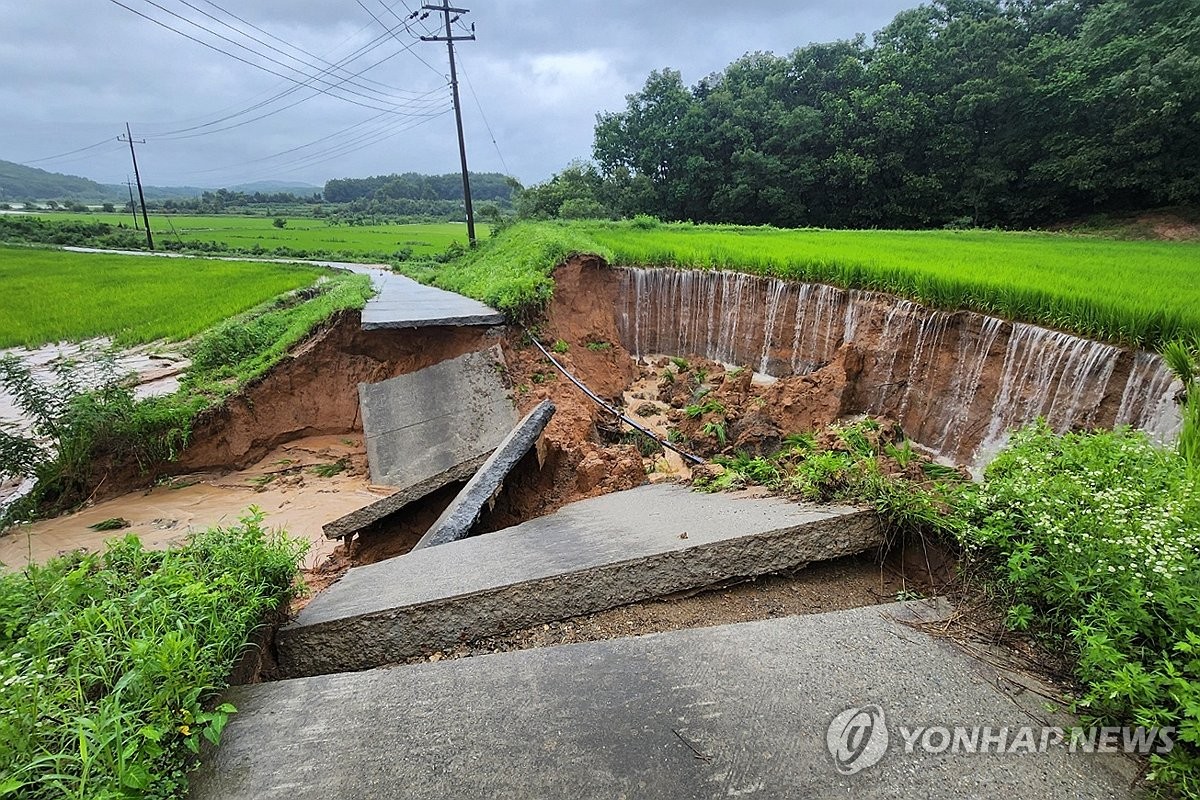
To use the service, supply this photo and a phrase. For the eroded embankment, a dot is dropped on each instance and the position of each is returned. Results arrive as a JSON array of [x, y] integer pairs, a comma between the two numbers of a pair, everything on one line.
[[314, 391], [956, 381]]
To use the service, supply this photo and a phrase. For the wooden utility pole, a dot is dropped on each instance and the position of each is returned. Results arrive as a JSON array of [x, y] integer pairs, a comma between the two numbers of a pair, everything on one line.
[[128, 137], [446, 10]]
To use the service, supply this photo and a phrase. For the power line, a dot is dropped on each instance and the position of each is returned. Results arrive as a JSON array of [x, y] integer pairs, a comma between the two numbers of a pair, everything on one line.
[[358, 144], [419, 103], [370, 95], [486, 125], [313, 143], [328, 69], [393, 32], [302, 50], [353, 146], [58, 156], [342, 61], [414, 111], [329, 91]]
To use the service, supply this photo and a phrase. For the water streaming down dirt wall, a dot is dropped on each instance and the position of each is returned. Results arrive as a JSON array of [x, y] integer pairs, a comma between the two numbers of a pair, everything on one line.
[[956, 381]]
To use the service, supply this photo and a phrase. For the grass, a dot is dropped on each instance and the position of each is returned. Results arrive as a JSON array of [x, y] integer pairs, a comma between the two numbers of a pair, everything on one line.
[[52, 295], [79, 426], [300, 233], [512, 271], [110, 664], [1131, 292]]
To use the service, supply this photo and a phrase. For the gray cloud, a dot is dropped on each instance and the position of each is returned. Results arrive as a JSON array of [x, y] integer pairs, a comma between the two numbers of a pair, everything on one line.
[[76, 70]]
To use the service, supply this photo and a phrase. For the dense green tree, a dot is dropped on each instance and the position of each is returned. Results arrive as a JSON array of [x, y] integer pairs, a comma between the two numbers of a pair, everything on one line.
[[413, 186], [982, 112], [574, 193]]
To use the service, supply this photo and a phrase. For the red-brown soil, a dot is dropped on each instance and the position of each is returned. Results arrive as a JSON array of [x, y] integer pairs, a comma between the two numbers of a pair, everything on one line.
[[314, 391]]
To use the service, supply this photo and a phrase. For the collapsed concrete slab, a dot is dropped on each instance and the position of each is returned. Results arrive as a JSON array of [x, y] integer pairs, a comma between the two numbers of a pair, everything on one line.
[[401, 302], [456, 521], [592, 555], [364, 517], [714, 712], [428, 423]]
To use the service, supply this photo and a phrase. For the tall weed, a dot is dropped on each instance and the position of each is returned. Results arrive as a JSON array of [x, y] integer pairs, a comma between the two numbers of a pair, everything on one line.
[[110, 664]]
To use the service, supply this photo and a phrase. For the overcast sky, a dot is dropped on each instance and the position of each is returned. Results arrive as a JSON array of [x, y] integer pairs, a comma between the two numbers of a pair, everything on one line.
[[75, 70]]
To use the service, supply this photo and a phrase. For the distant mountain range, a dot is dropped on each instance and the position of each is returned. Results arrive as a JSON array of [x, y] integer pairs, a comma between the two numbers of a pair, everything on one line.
[[19, 182]]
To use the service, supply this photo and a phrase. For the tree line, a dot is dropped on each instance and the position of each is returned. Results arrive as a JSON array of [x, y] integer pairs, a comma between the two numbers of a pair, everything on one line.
[[412, 186], [960, 112]]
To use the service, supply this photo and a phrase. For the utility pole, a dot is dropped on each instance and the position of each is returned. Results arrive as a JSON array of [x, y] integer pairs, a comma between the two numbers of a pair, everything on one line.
[[128, 137], [446, 10], [132, 205]]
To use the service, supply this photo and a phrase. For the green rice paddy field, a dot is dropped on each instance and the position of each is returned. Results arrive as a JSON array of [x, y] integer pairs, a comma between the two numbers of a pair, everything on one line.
[[301, 233], [1134, 292], [1143, 293], [54, 295]]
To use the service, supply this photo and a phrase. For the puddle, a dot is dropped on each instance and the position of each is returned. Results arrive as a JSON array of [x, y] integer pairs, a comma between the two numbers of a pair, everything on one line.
[[283, 485]]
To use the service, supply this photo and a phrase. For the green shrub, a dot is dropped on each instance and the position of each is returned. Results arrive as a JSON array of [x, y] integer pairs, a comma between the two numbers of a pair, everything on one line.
[[1095, 539], [110, 664]]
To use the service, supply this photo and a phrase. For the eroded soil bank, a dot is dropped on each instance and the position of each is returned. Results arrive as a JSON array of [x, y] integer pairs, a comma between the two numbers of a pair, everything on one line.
[[956, 381], [801, 368]]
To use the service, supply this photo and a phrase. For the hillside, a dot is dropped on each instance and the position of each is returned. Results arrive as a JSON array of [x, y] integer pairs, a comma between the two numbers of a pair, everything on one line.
[[19, 182]]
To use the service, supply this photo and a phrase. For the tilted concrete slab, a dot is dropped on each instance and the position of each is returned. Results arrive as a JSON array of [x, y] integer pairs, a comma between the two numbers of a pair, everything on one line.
[[368, 515], [401, 302], [428, 423], [589, 556], [456, 521], [728, 711]]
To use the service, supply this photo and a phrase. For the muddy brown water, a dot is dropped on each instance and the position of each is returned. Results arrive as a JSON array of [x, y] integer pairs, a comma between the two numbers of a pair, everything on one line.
[[283, 484]]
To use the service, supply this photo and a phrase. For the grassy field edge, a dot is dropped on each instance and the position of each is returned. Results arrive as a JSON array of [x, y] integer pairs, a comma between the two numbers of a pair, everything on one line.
[[1142, 294]]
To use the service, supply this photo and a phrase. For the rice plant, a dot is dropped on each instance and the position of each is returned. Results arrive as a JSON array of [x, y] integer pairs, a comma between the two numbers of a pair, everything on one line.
[[55, 296]]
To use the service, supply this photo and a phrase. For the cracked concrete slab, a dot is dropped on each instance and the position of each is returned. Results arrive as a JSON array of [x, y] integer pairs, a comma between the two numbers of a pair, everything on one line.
[[368, 515], [456, 521], [428, 423], [589, 556], [401, 302], [727, 711]]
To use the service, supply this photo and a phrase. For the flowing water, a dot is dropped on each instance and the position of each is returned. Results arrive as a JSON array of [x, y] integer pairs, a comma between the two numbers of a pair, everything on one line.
[[958, 382], [154, 371]]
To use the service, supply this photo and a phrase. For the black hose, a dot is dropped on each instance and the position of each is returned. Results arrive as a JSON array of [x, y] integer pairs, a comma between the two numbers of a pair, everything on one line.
[[600, 402]]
